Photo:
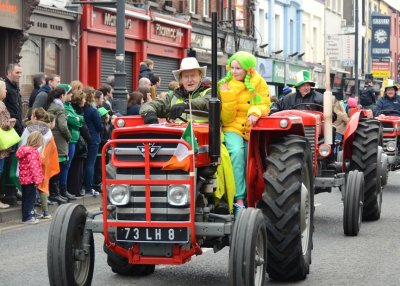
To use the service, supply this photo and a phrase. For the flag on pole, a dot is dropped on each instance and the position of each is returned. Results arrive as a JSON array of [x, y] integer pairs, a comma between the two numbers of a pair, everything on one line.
[[181, 158]]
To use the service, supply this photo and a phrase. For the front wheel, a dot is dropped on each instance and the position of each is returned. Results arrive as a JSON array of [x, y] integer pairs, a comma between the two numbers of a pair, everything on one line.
[[70, 248], [353, 203], [288, 205], [248, 251]]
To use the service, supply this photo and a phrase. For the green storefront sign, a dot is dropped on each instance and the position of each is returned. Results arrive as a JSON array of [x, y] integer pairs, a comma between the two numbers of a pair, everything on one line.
[[278, 72]]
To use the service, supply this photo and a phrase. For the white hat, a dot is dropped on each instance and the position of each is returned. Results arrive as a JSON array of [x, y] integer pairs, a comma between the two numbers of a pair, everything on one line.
[[189, 64]]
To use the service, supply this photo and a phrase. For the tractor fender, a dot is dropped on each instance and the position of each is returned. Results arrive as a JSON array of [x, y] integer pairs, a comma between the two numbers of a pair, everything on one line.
[[349, 135]]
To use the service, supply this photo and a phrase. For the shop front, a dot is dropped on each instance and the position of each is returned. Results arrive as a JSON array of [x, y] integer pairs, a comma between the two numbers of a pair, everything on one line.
[[52, 46], [201, 50], [13, 24], [155, 36]]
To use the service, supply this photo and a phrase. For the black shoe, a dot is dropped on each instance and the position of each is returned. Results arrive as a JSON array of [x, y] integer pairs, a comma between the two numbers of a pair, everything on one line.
[[69, 196], [59, 199]]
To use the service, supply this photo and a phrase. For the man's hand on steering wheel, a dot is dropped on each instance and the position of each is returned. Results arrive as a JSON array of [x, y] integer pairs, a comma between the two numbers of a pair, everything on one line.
[[177, 110]]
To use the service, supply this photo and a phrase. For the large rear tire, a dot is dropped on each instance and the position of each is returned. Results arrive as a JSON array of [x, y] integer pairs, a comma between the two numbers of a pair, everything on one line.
[[68, 263], [248, 251], [288, 204], [353, 203], [365, 158], [121, 266]]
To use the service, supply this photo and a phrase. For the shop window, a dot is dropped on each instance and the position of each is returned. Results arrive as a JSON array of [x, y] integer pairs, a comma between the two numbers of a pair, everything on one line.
[[30, 62], [51, 56]]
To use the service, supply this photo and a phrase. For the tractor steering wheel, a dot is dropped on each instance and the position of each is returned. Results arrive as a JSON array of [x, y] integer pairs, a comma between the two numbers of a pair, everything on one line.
[[199, 113], [390, 111], [309, 104]]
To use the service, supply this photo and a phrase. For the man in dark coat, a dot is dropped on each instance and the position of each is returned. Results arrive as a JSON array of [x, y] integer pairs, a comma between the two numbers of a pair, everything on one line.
[[367, 96], [390, 102], [52, 82], [303, 94], [13, 100]]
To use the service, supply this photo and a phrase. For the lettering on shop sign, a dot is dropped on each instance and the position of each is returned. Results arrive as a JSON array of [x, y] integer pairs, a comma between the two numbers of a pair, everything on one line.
[[169, 32], [380, 51], [380, 21], [8, 8], [111, 20], [48, 26]]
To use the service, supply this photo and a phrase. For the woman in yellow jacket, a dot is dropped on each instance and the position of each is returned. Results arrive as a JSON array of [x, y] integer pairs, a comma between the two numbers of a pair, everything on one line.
[[244, 99]]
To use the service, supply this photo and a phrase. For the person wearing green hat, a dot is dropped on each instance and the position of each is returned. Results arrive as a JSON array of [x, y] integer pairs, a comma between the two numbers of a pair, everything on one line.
[[390, 100], [244, 99], [74, 123], [304, 94]]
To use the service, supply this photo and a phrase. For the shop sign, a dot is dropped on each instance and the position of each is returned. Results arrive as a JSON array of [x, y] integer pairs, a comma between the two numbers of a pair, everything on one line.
[[278, 72], [11, 14], [332, 47], [347, 50], [166, 34], [201, 41], [54, 3], [111, 20], [381, 67], [51, 27]]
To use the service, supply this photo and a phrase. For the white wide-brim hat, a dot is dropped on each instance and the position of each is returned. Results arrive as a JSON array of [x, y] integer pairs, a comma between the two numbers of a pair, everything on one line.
[[188, 64]]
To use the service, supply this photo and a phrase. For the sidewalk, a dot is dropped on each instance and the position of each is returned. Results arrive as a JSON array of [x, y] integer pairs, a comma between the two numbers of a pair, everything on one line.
[[13, 213]]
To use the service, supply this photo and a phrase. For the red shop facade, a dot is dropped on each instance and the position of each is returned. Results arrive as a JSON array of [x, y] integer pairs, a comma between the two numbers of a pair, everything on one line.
[[159, 37]]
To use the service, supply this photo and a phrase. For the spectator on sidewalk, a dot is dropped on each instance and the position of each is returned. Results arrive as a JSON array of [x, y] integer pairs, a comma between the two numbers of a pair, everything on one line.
[[41, 98], [106, 89], [76, 171], [61, 134], [144, 82], [95, 126], [40, 121], [76, 85], [134, 103], [155, 84], [38, 81], [13, 102], [30, 173], [5, 123], [146, 69]]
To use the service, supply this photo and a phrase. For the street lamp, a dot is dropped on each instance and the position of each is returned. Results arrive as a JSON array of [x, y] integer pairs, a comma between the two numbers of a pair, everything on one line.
[[120, 92]]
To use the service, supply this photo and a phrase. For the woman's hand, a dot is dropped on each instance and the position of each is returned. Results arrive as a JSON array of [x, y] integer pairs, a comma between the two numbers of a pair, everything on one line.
[[224, 86], [252, 119], [12, 122]]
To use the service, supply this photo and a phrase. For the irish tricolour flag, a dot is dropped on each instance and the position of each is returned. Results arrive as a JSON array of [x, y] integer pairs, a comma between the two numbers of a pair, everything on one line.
[[181, 158]]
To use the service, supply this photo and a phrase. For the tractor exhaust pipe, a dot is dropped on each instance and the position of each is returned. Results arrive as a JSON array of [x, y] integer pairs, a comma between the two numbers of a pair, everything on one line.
[[214, 134], [328, 106]]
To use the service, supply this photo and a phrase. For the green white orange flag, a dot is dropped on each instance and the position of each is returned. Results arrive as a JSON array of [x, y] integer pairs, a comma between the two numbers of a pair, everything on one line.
[[181, 158]]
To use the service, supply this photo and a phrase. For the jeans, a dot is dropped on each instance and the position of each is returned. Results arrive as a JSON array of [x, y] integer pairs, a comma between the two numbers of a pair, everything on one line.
[[237, 148], [28, 201], [65, 168], [89, 166], [1, 166]]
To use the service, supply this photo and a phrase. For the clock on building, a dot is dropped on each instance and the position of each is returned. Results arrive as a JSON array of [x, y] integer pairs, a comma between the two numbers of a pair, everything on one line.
[[380, 36]]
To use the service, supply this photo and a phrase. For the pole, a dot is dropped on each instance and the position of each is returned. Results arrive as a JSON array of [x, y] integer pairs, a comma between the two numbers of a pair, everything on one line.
[[356, 90], [120, 93], [214, 133], [234, 30]]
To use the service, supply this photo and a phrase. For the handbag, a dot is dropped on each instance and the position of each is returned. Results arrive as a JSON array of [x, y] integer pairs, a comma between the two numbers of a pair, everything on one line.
[[8, 138]]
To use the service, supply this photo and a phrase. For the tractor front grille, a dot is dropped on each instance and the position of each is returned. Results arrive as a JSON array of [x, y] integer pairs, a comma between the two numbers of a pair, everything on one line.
[[385, 142], [135, 210], [309, 132]]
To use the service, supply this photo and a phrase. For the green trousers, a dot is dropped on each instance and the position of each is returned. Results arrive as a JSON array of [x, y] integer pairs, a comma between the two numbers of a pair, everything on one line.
[[237, 148]]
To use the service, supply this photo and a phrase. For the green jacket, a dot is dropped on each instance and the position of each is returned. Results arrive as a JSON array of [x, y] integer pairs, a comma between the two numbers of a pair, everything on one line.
[[199, 99], [74, 120]]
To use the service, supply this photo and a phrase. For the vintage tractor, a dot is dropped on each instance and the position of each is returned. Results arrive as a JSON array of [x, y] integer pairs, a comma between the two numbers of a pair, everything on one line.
[[390, 120], [150, 216]]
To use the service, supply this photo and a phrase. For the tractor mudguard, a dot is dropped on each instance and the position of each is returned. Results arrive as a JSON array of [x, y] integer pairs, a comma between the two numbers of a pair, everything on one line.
[[349, 135]]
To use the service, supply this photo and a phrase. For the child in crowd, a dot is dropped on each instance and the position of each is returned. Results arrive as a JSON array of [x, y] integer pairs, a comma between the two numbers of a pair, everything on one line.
[[30, 173]]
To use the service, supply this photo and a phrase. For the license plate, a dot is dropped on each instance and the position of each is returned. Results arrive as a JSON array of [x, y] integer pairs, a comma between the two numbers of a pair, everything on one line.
[[152, 234]]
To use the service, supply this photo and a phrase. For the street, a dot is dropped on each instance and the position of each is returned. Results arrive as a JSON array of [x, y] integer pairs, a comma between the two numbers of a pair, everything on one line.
[[371, 258]]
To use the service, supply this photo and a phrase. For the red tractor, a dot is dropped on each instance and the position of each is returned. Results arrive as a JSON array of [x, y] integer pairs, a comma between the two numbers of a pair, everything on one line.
[[390, 120]]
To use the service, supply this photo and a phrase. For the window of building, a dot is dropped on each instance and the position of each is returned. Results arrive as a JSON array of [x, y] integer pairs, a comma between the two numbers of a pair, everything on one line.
[[51, 54], [291, 39], [192, 6], [206, 8], [277, 32]]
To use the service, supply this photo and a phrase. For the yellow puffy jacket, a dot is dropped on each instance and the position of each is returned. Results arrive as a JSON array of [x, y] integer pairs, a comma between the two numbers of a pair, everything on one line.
[[236, 105]]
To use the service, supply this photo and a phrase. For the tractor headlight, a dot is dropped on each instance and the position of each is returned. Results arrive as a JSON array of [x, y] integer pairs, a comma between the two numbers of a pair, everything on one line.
[[283, 123], [391, 146], [119, 194], [120, 122], [324, 150], [178, 195]]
